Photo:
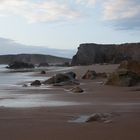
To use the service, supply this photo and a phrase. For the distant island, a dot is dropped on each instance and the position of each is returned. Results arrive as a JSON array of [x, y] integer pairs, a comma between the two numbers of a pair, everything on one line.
[[33, 59]]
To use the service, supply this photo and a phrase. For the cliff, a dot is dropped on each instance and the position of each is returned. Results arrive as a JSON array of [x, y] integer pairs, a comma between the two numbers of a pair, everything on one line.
[[32, 58], [106, 53]]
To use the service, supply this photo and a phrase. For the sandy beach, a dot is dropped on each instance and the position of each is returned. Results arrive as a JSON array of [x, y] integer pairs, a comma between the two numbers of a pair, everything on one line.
[[52, 110]]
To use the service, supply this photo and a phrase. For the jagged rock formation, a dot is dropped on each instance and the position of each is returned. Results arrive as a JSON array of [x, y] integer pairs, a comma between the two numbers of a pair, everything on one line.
[[127, 74], [32, 58], [100, 53]]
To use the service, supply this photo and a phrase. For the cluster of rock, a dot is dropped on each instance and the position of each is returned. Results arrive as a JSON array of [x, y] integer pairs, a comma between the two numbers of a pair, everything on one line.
[[127, 74], [100, 53], [60, 79], [19, 65]]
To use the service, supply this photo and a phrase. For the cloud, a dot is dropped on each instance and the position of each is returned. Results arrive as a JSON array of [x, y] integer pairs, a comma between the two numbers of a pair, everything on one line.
[[124, 14], [46, 11], [87, 2]]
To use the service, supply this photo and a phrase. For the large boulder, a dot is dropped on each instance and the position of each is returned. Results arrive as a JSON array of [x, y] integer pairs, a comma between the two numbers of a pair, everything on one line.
[[19, 65], [123, 77], [61, 77]]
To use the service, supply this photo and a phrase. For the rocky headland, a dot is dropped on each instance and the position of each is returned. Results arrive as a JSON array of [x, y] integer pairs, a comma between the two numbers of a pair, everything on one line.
[[106, 53]]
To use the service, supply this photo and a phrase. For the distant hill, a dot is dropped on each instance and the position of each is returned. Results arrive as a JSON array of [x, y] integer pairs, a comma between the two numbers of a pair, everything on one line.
[[91, 53], [33, 58]]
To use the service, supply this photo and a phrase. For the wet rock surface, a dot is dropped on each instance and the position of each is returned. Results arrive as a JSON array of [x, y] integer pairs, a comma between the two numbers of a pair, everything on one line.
[[96, 117], [43, 72], [77, 90], [62, 79], [36, 83]]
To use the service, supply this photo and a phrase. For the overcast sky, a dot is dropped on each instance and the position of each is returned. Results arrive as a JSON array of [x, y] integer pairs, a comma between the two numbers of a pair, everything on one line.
[[65, 24]]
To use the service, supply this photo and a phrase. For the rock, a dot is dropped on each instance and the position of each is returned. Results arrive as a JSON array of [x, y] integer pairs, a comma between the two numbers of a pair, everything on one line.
[[123, 77], [61, 77], [90, 75], [36, 83], [44, 64], [71, 75], [19, 65], [99, 117], [43, 72], [25, 85], [77, 90], [91, 53], [67, 83], [131, 65]]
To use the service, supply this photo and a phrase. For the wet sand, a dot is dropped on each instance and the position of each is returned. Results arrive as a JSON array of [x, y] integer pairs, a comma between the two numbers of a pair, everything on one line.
[[53, 122]]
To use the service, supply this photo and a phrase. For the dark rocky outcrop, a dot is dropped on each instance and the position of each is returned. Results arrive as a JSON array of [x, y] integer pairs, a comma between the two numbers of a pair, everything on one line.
[[127, 74], [123, 77], [36, 83], [98, 53], [61, 78], [19, 65]]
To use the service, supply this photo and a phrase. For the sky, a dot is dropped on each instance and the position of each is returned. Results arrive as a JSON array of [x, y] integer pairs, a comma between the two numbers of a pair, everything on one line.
[[64, 24]]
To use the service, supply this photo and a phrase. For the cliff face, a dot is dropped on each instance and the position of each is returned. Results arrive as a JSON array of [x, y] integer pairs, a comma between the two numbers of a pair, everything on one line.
[[32, 58], [98, 53]]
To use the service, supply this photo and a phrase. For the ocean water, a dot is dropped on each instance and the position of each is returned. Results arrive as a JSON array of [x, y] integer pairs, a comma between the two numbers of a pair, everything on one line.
[[8, 77], [14, 95]]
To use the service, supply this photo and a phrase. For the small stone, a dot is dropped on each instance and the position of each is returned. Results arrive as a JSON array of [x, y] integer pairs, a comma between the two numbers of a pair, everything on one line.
[[36, 83], [77, 90], [43, 72]]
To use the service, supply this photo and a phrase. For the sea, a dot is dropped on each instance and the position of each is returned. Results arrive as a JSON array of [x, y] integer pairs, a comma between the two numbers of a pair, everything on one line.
[[14, 95]]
